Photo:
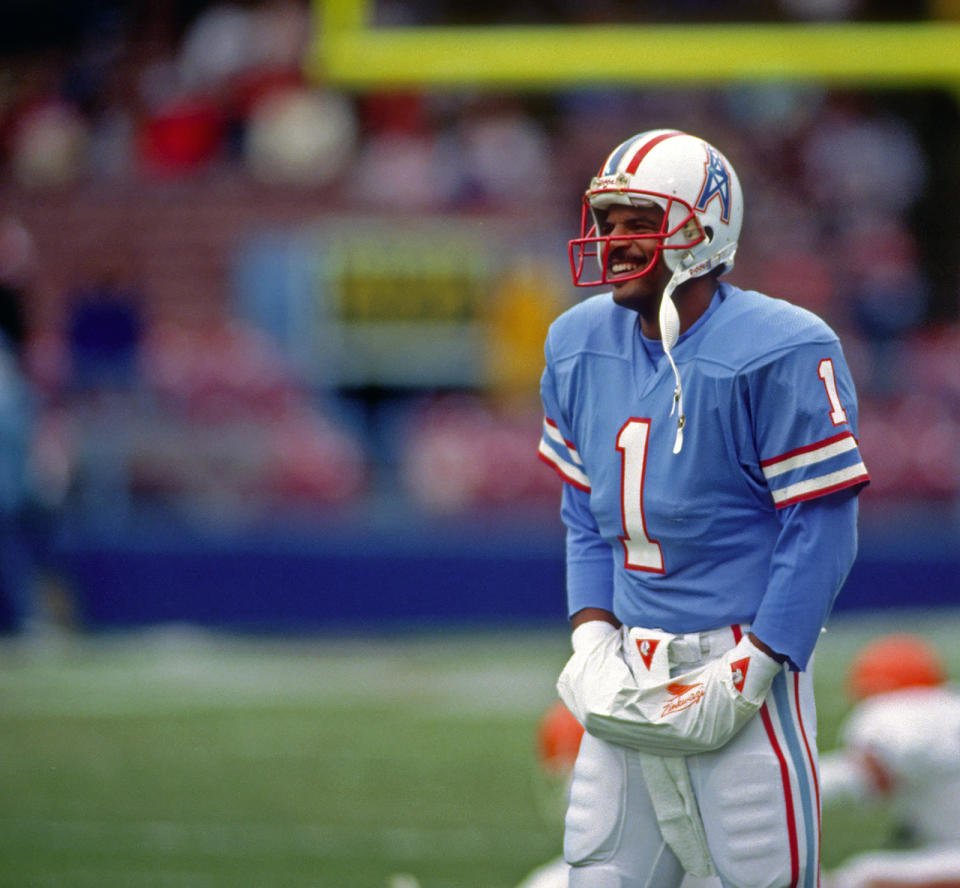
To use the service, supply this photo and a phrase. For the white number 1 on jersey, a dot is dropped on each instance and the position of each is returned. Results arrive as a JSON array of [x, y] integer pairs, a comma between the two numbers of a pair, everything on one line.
[[641, 553], [838, 416]]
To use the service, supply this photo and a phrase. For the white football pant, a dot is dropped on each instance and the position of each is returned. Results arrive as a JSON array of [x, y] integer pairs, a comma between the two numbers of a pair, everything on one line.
[[758, 799]]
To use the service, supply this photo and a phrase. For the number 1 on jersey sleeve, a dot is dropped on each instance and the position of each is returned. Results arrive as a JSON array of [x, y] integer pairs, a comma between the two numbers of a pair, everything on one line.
[[838, 416], [640, 552]]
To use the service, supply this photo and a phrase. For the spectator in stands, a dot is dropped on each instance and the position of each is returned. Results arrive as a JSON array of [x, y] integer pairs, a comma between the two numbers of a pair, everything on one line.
[[17, 576], [105, 327], [887, 292], [17, 268]]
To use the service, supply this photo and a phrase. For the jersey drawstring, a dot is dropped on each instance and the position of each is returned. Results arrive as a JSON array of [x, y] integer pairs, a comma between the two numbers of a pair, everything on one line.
[[670, 324], [669, 334]]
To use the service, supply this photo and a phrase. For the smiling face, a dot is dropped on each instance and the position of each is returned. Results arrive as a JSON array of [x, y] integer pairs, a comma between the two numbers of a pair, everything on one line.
[[634, 246]]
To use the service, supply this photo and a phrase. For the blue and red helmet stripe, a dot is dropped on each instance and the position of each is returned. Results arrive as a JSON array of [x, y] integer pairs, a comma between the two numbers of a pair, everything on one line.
[[646, 144]]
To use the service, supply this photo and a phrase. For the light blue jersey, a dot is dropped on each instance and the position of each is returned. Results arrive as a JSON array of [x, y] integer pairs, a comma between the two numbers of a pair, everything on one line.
[[731, 529]]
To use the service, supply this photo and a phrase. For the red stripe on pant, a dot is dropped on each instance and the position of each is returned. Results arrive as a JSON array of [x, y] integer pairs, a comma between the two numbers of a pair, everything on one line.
[[813, 768], [785, 778], [787, 796]]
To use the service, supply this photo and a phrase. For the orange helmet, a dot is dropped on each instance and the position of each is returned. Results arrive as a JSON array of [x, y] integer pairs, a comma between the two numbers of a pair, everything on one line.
[[558, 739], [894, 662]]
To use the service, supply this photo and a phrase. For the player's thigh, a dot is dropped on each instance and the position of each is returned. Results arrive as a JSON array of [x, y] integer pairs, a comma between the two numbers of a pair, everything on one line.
[[611, 835], [758, 796]]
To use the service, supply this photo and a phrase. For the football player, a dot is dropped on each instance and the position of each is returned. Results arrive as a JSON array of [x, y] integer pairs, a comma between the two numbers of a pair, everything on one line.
[[900, 746], [706, 436]]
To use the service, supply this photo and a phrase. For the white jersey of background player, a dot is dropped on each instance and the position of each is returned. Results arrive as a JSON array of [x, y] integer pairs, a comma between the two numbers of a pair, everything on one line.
[[901, 746], [707, 437]]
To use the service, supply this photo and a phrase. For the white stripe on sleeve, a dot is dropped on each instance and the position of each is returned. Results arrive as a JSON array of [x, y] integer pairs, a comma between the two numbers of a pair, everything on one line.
[[553, 433], [567, 470], [810, 457], [812, 487]]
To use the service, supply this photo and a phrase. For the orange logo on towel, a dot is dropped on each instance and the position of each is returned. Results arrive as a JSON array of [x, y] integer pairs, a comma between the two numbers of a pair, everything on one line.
[[684, 696], [647, 648]]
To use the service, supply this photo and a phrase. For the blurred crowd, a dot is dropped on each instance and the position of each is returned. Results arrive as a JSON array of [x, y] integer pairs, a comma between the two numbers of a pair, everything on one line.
[[137, 398]]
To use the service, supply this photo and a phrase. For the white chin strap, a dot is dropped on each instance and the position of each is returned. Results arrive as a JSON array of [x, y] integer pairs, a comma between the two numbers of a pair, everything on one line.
[[669, 334]]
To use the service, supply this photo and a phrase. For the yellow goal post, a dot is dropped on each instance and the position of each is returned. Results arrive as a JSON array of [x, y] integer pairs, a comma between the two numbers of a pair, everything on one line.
[[348, 51]]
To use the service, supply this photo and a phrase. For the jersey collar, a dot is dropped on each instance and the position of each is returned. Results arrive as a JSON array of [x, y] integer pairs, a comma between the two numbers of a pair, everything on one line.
[[654, 347]]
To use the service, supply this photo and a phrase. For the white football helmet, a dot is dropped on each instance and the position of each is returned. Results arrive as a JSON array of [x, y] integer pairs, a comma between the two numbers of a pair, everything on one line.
[[702, 205], [694, 185]]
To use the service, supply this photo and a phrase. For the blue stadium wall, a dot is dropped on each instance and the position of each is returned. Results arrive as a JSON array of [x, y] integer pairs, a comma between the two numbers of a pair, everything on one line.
[[431, 575]]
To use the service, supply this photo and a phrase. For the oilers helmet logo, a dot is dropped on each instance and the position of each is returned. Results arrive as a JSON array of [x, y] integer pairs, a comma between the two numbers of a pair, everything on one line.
[[716, 184]]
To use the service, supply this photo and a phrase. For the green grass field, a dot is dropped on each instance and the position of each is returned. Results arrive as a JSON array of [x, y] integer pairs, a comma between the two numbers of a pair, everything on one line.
[[182, 759]]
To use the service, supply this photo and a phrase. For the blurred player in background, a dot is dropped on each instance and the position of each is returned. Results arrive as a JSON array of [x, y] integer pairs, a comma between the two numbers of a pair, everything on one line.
[[901, 746], [558, 742], [706, 435]]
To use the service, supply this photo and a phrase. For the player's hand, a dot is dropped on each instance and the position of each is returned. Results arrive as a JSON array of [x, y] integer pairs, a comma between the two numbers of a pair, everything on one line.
[[619, 686]]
